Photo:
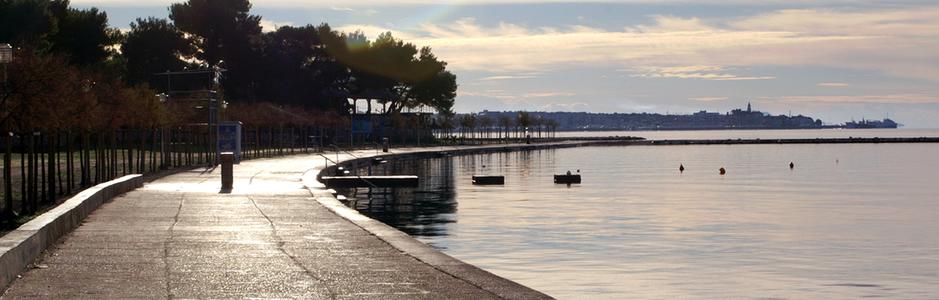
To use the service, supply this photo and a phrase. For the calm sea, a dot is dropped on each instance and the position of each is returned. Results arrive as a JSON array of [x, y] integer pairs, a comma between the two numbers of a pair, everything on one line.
[[849, 221]]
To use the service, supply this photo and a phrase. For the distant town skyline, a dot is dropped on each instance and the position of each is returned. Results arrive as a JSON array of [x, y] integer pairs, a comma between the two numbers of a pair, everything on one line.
[[836, 60]]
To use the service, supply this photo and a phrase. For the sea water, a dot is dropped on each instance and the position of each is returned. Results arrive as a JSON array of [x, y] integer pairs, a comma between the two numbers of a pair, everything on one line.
[[848, 221]]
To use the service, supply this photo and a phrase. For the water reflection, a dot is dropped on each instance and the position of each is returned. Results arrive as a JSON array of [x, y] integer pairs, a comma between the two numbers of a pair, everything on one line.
[[429, 209], [421, 211]]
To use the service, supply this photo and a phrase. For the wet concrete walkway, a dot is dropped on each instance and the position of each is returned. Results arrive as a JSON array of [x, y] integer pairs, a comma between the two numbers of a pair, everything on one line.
[[178, 237]]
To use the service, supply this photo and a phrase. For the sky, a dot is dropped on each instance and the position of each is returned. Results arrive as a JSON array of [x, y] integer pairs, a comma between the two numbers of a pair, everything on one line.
[[837, 60]]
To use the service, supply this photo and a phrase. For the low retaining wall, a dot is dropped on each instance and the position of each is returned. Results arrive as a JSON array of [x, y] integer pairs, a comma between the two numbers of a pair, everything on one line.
[[22, 246]]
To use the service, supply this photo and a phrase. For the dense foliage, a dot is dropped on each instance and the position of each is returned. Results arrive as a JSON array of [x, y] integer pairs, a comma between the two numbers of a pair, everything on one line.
[[71, 66]]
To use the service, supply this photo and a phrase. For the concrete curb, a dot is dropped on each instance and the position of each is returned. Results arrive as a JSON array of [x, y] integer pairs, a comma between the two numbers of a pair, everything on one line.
[[22, 246]]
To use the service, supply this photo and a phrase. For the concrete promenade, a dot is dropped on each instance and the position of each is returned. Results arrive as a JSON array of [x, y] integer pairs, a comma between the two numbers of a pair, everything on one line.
[[178, 237]]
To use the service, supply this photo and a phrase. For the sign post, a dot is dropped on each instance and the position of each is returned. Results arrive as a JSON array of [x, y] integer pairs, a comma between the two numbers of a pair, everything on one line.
[[229, 139]]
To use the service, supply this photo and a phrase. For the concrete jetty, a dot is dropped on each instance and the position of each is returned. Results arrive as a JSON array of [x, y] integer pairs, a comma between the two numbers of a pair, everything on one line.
[[275, 235]]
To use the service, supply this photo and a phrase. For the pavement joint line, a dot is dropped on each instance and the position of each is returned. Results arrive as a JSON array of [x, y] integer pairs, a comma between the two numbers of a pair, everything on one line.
[[294, 259], [166, 246]]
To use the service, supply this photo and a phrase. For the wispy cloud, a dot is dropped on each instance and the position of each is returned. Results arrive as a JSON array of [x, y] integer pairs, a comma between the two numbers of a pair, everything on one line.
[[356, 11], [502, 94], [669, 41], [860, 99], [692, 72], [708, 99], [898, 42], [508, 77], [374, 3], [833, 84], [547, 94]]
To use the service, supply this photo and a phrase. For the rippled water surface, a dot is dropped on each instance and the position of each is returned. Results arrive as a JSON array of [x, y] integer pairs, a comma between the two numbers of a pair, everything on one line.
[[849, 221]]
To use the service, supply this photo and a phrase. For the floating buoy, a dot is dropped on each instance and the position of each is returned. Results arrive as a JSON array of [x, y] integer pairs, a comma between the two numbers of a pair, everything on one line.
[[568, 179], [488, 180], [723, 171], [681, 168], [791, 165]]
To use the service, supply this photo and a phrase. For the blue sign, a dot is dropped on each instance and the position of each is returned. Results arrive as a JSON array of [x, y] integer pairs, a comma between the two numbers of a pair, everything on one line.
[[229, 139], [362, 124]]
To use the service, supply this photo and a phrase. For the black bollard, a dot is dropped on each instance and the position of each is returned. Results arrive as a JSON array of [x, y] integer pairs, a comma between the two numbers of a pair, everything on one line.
[[227, 159]]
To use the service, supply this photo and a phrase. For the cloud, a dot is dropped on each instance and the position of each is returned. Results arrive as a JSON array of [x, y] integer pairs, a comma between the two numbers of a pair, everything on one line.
[[373, 31], [508, 77], [502, 94], [356, 11], [269, 25], [692, 72], [833, 84], [547, 95], [708, 99], [376, 3], [914, 98], [510, 47], [896, 42]]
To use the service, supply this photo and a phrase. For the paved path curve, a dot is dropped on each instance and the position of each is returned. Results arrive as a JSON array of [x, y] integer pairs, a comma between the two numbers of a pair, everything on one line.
[[178, 237]]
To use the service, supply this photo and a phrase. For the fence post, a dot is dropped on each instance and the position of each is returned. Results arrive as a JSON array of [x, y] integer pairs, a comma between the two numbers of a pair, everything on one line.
[[8, 178]]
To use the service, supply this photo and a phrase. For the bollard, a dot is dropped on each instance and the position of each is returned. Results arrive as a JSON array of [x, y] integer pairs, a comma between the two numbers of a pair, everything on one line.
[[384, 145], [226, 160]]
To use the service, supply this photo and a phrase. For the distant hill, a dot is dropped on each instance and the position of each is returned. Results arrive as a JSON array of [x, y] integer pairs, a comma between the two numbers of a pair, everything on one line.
[[735, 119]]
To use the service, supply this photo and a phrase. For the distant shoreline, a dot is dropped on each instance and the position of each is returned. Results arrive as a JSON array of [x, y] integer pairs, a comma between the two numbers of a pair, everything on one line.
[[713, 129], [625, 141]]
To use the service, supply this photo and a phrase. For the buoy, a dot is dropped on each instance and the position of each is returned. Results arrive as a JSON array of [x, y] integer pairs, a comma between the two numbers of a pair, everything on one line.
[[723, 171], [681, 168], [791, 165]]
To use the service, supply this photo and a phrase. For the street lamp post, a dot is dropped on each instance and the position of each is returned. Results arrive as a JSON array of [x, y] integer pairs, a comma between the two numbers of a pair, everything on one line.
[[6, 57]]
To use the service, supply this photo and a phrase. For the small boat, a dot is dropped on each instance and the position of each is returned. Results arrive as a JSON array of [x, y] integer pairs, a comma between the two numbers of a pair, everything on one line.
[[488, 179], [568, 178]]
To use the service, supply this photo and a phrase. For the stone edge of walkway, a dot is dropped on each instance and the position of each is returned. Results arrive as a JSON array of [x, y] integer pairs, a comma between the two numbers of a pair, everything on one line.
[[495, 284], [23, 245]]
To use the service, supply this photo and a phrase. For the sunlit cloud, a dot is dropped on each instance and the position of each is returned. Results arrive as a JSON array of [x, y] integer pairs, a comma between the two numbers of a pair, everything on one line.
[[708, 99], [372, 31], [269, 25], [507, 77], [670, 41], [896, 42], [692, 72], [375, 3], [547, 94]]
